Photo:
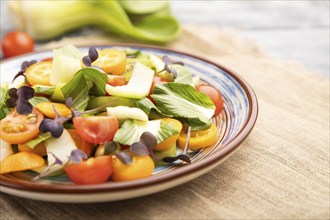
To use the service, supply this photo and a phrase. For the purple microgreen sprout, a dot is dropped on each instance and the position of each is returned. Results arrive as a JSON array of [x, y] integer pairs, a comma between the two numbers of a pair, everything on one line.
[[93, 54], [145, 146], [51, 125], [23, 107], [168, 61], [91, 57], [87, 61], [110, 148], [68, 102], [20, 98], [55, 126], [124, 157], [24, 66], [47, 171], [139, 148], [186, 146], [77, 156], [183, 157]]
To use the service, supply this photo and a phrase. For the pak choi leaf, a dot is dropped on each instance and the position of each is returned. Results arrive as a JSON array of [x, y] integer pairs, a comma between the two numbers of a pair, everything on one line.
[[131, 131]]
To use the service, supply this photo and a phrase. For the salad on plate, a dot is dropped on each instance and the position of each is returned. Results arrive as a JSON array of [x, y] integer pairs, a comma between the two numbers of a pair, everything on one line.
[[104, 115]]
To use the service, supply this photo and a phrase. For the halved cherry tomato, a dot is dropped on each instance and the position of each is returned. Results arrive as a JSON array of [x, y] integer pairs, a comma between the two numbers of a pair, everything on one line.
[[114, 80], [155, 81], [199, 139], [96, 129], [82, 145], [95, 170], [111, 61], [17, 43], [214, 95], [170, 141], [141, 167], [18, 129], [39, 73], [47, 59], [47, 109]]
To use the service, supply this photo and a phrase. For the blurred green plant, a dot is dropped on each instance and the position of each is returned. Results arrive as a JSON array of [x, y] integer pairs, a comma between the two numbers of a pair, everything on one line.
[[149, 21]]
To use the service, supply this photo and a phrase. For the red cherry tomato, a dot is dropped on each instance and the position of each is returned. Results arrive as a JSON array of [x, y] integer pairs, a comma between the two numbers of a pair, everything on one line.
[[214, 95], [96, 129], [114, 80], [92, 171], [156, 80], [17, 43], [47, 59]]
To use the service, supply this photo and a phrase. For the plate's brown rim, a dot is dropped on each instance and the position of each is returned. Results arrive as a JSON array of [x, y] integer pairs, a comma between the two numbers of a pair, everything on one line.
[[178, 173]]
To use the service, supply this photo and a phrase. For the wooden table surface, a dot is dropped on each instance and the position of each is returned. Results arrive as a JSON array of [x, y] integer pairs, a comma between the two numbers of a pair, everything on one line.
[[295, 30]]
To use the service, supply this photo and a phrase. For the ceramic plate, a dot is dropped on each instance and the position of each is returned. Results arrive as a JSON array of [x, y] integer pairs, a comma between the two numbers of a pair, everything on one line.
[[234, 124]]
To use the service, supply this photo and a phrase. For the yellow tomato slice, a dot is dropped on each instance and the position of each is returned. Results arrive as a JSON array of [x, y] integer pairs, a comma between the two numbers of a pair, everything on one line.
[[40, 149], [21, 161], [39, 73], [47, 109], [199, 139], [170, 141], [18, 129], [111, 61], [141, 167]]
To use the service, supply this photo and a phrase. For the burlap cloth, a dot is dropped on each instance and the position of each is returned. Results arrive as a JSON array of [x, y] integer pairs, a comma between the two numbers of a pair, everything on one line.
[[281, 171]]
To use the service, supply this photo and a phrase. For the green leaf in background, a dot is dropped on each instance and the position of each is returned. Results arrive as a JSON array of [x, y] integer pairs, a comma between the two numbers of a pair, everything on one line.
[[184, 101], [85, 81], [131, 131], [154, 22], [143, 6]]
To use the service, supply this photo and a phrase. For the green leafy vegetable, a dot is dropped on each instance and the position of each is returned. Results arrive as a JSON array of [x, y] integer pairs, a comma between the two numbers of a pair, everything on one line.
[[4, 110], [86, 81], [37, 99], [45, 90], [148, 107], [183, 74], [40, 138], [96, 102], [184, 101], [131, 131]]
